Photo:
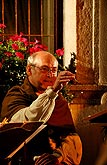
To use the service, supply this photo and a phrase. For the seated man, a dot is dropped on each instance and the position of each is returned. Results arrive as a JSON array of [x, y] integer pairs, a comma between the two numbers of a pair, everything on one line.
[[39, 97]]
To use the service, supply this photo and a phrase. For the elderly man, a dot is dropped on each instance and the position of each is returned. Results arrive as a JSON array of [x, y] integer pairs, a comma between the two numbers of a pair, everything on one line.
[[39, 97]]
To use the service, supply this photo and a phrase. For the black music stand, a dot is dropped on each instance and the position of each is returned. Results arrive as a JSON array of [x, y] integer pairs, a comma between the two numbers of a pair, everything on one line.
[[13, 136]]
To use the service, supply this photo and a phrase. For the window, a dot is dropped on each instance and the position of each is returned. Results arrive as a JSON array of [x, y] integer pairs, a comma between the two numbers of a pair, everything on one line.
[[40, 19]]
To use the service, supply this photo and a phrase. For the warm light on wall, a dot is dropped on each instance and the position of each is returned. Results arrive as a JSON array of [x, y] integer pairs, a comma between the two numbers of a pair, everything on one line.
[[69, 29]]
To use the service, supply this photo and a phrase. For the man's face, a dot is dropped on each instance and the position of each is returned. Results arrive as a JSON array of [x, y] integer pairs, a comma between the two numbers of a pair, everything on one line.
[[44, 72]]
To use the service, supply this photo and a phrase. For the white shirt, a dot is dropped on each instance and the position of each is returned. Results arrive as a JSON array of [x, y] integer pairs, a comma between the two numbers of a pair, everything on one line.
[[40, 109]]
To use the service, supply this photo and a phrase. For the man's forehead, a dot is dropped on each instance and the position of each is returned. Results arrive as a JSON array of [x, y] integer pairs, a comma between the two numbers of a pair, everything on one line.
[[46, 60]]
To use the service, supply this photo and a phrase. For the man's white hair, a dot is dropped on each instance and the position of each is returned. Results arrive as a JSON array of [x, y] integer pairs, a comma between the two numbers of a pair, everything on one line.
[[31, 59]]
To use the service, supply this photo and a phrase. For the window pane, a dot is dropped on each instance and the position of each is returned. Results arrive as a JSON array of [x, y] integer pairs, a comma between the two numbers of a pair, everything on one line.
[[48, 24], [22, 16], [35, 17], [9, 16], [1, 11]]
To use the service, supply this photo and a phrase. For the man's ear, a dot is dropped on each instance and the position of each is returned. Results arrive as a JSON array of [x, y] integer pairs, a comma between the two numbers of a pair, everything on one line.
[[28, 70]]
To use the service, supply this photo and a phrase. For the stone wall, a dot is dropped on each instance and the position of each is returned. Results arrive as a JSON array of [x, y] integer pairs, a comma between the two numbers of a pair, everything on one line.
[[86, 71]]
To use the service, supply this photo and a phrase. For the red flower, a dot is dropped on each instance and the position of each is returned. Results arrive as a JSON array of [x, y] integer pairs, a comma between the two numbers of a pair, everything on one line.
[[19, 38], [14, 37], [39, 47], [36, 41], [9, 54], [15, 47], [1, 65], [60, 52], [24, 40], [2, 26], [20, 55], [31, 43], [31, 50]]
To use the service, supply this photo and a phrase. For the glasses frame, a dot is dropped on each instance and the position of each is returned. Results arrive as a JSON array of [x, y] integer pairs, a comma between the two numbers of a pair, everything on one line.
[[45, 69]]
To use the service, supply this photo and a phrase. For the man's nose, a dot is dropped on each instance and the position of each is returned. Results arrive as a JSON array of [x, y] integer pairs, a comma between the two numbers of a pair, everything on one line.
[[50, 73]]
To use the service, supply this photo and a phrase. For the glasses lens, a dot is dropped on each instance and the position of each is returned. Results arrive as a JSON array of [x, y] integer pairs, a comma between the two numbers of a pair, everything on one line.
[[45, 69]]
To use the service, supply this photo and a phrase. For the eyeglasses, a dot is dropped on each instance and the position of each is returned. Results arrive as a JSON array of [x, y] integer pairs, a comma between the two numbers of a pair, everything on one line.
[[45, 69]]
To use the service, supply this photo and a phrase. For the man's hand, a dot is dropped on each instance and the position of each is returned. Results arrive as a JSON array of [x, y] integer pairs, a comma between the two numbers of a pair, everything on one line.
[[63, 78], [47, 159]]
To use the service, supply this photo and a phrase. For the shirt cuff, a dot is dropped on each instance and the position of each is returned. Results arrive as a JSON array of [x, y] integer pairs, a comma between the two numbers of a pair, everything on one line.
[[49, 91]]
